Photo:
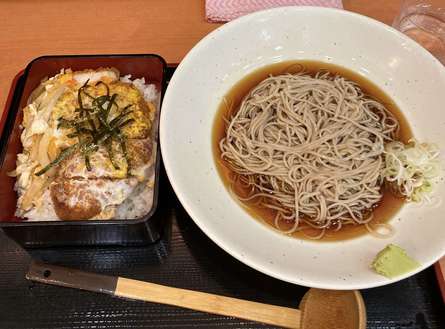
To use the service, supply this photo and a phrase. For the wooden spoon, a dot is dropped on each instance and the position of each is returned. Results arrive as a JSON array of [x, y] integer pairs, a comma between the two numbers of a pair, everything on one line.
[[328, 309], [319, 309]]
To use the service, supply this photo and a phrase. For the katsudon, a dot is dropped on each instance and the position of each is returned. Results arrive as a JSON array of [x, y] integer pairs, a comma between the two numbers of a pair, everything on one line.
[[89, 147]]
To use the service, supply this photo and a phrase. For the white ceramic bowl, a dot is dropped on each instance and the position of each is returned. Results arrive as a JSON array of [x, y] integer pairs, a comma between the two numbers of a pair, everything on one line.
[[408, 73]]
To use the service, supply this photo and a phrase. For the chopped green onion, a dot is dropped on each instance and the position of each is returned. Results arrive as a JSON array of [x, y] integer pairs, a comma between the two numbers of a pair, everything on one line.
[[412, 170]]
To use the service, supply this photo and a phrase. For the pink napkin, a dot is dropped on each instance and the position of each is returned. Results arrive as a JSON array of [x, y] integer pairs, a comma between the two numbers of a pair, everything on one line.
[[226, 10]]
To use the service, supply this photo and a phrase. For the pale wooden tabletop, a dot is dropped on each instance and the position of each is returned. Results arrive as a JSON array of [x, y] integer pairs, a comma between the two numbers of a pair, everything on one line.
[[170, 28]]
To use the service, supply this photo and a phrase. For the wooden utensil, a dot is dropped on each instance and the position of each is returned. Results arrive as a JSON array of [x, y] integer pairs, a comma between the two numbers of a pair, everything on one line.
[[319, 309]]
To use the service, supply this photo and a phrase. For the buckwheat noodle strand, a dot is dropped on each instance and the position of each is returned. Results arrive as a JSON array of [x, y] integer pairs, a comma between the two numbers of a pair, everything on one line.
[[310, 148]]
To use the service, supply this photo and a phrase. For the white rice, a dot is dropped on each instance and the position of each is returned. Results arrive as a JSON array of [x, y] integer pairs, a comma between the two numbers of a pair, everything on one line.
[[147, 90]]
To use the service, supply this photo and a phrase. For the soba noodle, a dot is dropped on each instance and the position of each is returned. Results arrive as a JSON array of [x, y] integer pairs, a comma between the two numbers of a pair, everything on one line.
[[310, 148]]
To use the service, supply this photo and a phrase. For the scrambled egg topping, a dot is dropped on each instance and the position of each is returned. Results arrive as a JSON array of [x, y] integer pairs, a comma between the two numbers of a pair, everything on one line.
[[76, 186]]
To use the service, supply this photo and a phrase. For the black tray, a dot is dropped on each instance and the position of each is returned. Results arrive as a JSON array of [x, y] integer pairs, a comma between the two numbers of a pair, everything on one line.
[[185, 258]]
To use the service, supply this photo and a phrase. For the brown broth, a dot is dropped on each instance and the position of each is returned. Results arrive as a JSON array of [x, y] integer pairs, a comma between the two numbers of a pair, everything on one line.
[[389, 204]]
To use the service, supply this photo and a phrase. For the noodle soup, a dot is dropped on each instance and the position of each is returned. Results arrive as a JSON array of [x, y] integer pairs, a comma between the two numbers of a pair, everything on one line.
[[299, 145]]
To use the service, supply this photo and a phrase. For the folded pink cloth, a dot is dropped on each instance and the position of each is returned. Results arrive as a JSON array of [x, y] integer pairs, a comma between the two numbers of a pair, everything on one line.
[[226, 10]]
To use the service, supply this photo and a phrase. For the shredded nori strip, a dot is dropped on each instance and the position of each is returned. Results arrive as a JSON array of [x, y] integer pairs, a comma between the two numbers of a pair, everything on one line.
[[93, 127], [62, 156]]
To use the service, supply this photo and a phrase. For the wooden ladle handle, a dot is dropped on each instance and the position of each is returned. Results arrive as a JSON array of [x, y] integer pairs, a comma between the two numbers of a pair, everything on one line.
[[150, 292], [200, 301]]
